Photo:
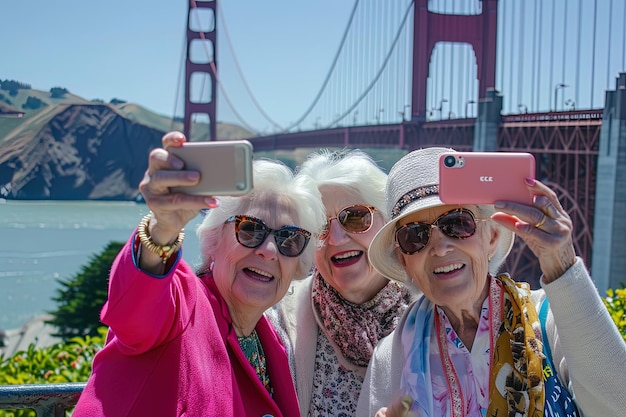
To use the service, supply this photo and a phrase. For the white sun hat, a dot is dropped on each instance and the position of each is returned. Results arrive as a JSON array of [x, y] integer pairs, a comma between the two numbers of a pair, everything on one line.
[[413, 185]]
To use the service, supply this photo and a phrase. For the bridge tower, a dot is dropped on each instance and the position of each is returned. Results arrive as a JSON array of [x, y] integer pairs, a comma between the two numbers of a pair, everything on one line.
[[608, 261], [201, 38], [429, 28]]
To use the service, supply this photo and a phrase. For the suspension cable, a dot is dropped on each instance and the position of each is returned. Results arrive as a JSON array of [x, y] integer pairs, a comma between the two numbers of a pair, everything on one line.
[[380, 71], [245, 82], [331, 70]]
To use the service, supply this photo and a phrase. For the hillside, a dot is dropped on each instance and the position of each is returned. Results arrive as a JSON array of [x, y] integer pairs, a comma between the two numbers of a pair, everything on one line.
[[69, 148]]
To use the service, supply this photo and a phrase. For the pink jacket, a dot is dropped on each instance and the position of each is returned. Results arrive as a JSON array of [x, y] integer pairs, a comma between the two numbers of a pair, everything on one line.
[[172, 351]]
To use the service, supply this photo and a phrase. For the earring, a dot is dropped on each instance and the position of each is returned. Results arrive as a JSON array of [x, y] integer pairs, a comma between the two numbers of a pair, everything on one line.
[[489, 258]]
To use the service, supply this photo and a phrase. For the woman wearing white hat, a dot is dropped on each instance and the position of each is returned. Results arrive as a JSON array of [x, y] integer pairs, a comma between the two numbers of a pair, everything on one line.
[[477, 343]]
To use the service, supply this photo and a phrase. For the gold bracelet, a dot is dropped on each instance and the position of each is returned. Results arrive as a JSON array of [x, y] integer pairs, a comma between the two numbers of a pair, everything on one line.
[[164, 251]]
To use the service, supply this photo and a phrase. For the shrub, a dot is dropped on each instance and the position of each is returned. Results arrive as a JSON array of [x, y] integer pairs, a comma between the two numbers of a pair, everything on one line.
[[58, 92], [33, 103], [63, 362]]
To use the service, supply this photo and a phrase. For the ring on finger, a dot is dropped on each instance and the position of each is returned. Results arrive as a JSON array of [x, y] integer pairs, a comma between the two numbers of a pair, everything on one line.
[[541, 222]]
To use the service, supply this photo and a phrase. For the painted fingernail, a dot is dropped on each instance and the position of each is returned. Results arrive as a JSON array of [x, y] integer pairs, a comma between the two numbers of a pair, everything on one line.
[[407, 401], [530, 181], [193, 175], [212, 202]]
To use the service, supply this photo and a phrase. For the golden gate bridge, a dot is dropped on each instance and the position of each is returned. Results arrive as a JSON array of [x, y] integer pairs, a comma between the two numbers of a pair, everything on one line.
[[493, 75]]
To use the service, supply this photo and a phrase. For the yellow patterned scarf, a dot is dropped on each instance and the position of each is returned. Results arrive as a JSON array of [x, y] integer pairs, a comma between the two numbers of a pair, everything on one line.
[[516, 386]]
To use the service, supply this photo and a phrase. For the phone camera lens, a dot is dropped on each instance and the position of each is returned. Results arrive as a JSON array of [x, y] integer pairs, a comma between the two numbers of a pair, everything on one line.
[[449, 161]]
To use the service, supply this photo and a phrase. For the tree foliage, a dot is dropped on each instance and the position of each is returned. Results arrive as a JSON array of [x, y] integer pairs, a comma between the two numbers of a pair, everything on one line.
[[81, 297], [61, 363], [58, 92], [33, 103], [13, 86]]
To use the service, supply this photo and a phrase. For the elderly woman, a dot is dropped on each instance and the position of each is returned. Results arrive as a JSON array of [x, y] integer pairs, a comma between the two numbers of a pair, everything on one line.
[[199, 345], [472, 345], [336, 316]]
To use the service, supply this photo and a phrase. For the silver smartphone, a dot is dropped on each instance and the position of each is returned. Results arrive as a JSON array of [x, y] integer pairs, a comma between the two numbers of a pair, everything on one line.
[[225, 166]]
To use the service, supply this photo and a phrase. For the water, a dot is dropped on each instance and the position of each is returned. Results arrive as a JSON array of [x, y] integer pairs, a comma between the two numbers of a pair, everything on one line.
[[43, 242]]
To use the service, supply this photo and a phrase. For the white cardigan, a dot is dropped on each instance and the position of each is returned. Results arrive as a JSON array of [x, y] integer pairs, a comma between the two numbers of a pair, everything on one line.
[[587, 350]]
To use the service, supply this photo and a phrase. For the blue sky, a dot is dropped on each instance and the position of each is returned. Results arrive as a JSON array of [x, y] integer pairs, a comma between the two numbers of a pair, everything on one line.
[[132, 50]]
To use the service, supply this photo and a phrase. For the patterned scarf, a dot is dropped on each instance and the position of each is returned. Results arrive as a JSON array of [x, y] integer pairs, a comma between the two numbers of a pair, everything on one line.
[[516, 368], [357, 328], [516, 382]]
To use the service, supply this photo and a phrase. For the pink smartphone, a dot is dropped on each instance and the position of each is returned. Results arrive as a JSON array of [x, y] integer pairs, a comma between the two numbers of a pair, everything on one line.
[[225, 166], [484, 177]]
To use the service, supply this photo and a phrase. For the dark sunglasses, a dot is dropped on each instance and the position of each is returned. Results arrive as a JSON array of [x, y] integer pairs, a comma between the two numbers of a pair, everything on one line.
[[354, 219], [252, 232], [413, 237]]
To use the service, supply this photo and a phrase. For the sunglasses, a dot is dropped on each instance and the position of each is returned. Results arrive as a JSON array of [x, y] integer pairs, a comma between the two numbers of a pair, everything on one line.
[[354, 219], [252, 232], [413, 237]]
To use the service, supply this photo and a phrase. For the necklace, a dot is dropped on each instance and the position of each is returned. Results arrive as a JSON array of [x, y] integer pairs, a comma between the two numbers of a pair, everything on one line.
[[251, 347]]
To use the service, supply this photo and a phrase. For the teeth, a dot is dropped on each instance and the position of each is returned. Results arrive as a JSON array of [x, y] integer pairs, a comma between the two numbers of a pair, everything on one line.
[[347, 254], [448, 268], [258, 271]]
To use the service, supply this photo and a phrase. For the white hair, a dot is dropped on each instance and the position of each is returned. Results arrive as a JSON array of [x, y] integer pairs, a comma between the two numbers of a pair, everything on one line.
[[273, 181], [350, 169]]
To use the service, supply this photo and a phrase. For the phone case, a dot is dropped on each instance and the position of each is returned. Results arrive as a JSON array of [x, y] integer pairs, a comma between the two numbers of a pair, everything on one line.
[[484, 177], [225, 166]]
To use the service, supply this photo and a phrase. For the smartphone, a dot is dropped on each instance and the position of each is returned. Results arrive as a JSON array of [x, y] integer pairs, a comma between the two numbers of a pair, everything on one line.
[[484, 177], [225, 166]]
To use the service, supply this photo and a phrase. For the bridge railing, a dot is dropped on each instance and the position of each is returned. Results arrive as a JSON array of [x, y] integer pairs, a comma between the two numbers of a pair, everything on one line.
[[47, 400]]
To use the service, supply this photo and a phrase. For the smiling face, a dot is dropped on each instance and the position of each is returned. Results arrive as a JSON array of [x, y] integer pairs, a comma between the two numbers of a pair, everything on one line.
[[451, 272], [253, 279], [342, 257]]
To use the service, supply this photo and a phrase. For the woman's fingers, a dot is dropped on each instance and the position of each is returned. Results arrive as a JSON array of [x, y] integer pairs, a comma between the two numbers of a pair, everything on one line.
[[545, 226], [172, 209], [173, 139]]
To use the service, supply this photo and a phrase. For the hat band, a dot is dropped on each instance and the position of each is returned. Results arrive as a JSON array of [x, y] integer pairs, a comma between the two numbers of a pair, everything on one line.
[[414, 195]]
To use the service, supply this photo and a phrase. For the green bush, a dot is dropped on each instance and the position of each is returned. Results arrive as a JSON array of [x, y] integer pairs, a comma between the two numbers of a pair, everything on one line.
[[63, 362], [58, 92], [33, 103]]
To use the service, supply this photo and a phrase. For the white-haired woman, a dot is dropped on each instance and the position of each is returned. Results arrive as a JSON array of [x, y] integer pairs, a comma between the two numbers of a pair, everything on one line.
[[199, 345], [478, 343], [336, 316]]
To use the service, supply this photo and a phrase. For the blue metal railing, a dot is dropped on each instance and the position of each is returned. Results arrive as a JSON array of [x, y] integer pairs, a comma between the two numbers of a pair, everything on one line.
[[48, 400]]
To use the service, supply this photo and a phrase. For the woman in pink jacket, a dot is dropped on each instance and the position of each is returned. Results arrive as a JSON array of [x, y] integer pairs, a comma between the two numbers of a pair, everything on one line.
[[187, 344]]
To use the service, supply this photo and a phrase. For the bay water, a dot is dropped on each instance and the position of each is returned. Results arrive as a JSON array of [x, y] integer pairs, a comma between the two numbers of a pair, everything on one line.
[[42, 242]]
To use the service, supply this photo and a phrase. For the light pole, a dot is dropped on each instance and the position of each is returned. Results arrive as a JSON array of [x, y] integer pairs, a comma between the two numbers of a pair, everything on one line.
[[467, 103], [522, 108], [556, 90], [440, 108]]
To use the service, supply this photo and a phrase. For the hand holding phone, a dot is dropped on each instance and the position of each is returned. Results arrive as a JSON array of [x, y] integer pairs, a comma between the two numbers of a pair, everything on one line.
[[484, 177], [225, 166]]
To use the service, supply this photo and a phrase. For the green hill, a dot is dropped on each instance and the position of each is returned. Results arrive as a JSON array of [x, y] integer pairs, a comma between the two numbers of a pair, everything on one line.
[[20, 98]]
